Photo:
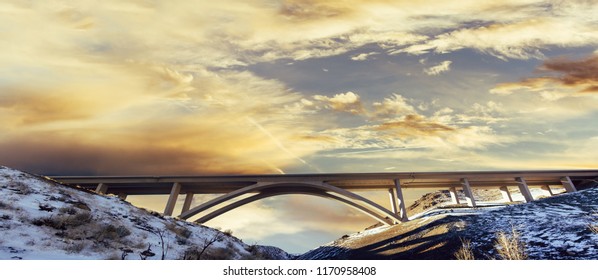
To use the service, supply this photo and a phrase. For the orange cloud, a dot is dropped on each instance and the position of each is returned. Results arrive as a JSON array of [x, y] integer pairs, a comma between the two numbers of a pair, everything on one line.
[[561, 77], [414, 126]]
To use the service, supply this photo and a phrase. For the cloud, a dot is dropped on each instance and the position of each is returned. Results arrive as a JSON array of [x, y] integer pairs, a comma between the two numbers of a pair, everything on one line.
[[394, 106], [561, 78], [440, 68], [522, 39], [363, 56], [412, 126], [198, 124], [343, 102]]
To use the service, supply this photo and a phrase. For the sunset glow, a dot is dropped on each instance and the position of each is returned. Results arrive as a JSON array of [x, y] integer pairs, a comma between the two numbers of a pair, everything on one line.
[[251, 87]]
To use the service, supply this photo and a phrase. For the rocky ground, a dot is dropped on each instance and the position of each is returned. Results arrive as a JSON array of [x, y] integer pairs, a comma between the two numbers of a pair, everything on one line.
[[557, 227]]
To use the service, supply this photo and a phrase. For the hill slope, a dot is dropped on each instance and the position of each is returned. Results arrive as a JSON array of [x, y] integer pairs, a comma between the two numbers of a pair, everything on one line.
[[41, 219], [551, 228]]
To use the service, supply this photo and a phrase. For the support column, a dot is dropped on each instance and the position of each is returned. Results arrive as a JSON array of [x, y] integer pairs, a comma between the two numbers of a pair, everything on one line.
[[402, 210], [506, 195], [174, 194], [568, 185], [187, 204], [454, 196], [524, 189], [547, 188], [102, 188], [122, 196], [393, 200], [468, 193]]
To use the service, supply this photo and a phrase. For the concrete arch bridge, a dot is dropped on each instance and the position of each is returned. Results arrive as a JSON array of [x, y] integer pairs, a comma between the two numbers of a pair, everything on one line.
[[237, 190]]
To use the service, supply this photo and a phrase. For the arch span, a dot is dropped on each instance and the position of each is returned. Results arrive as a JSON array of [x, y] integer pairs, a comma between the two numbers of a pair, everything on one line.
[[269, 189], [263, 195]]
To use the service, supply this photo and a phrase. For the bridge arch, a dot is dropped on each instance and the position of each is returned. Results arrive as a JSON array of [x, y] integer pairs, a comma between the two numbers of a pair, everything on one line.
[[269, 189]]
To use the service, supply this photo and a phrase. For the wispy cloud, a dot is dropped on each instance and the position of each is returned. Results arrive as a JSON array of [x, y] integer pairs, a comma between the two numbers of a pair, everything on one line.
[[440, 68], [363, 56]]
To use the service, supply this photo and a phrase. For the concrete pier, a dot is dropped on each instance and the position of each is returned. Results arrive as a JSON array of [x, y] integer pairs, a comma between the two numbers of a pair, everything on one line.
[[174, 194], [454, 195], [468, 192], [506, 195], [524, 189]]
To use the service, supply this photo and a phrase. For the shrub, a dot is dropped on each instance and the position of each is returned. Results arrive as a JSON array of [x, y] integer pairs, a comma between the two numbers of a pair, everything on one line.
[[75, 247], [56, 223], [510, 246], [192, 253], [465, 252], [179, 231], [593, 226], [110, 232], [79, 219], [46, 207]]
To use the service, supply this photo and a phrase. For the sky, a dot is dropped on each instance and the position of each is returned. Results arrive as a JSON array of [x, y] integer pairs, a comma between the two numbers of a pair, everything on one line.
[[253, 87]]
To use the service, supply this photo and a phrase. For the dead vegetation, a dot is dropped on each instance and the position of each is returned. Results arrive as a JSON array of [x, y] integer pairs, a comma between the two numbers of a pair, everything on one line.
[[509, 245], [593, 226], [465, 252]]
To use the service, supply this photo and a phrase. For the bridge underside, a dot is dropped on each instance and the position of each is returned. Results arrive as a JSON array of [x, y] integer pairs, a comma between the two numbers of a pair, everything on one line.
[[338, 187]]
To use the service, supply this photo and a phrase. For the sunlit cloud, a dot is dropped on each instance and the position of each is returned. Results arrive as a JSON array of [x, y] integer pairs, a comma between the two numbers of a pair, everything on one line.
[[440, 68], [363, 56], [391, 107], [342, 102]]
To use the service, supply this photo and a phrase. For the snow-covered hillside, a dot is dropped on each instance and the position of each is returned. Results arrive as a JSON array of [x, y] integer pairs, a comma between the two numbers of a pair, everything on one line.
[[551, 228], [41, 219]]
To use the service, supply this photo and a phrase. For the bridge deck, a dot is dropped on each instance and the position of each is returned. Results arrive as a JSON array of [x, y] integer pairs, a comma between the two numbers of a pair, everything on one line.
[[146, 185]]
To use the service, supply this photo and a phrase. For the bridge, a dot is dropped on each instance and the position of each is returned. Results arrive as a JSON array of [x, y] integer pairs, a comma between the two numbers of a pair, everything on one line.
[[237, 190]]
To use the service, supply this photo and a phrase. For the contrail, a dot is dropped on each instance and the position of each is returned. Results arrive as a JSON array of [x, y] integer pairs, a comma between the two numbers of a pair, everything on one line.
[[280, 145], [379, 150]]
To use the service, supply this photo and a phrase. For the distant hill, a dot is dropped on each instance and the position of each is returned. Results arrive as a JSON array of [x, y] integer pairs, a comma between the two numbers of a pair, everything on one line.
[[41, 220], [550, 228]]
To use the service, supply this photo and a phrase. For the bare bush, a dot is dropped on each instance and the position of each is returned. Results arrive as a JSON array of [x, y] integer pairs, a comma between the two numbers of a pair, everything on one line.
[[75, 247], [197, 253], [110, 232], [510, 246], [79, 219], [53, 222], [593, 226], [4, 205], [465, 252]]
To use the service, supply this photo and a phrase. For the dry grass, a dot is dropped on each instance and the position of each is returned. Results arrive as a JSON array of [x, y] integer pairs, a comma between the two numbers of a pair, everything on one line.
[[110, 232], [510, 246], [465, 252], [593, 226], [75, 247]]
